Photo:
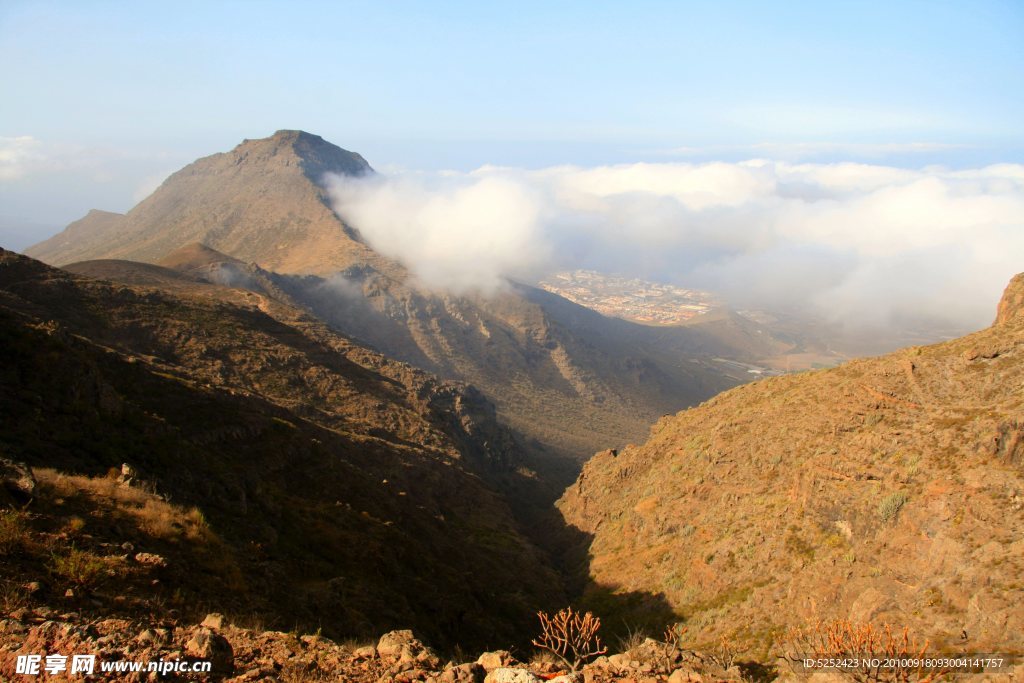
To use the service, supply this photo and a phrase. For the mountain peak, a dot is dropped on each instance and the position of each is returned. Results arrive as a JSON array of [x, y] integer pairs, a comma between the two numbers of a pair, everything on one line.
[[263, 202], [316, 156]]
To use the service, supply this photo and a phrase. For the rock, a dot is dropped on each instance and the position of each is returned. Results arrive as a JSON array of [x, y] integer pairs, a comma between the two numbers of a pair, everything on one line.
[[146, 637], [368, 652], [620, 661], [392, 643], [464, 673], [33, 587], [214, 620], [574, 677], [685, 676], [404, 647], [17, 484], [1012, 303], [128, 475], [150, 559], [69, 593], [206, 644], [507, 675], [493, 660]]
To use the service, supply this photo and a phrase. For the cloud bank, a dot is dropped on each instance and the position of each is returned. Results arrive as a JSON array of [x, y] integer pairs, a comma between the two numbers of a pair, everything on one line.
[[865, 245]]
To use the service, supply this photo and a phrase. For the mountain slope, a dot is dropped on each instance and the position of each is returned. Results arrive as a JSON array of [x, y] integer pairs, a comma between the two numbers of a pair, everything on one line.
[[332, 488], [887, 489]]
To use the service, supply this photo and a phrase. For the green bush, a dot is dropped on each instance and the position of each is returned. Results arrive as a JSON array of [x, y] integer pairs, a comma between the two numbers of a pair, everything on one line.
[[80, 567], [891, 505], [14, 531]]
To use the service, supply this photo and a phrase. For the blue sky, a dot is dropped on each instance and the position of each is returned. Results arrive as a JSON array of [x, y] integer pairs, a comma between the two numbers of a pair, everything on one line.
[[108, 97]]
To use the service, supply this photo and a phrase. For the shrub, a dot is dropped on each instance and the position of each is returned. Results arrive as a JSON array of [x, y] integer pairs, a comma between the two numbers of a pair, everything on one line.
[[891, 504], [80, 567], [861, 642], [14, 531], [570, 636], [634, 637]]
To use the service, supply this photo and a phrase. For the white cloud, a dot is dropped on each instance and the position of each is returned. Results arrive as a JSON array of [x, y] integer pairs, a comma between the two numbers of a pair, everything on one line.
[[18, 155], [793, 151], [864, 244], [457, 232]]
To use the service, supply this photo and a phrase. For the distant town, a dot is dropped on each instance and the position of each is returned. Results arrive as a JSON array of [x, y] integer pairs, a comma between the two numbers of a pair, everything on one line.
[[640, 301]]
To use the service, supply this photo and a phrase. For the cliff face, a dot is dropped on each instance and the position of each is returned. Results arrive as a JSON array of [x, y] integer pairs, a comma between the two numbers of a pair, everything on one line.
[[887, 489]]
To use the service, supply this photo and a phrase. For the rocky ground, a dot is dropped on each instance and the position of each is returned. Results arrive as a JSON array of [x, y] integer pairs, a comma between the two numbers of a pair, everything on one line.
[[241, 654]]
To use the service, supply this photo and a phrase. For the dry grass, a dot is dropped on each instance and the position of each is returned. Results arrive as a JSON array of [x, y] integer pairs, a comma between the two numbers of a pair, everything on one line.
[[12, 596], [152, 515], [14, 531], [83, 568]]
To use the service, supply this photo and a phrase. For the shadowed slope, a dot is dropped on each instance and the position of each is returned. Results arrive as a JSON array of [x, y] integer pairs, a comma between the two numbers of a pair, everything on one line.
[[341, 490]]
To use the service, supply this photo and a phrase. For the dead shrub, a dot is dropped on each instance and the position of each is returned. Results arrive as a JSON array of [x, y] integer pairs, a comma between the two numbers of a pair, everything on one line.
[[570, 636], [864, 644]]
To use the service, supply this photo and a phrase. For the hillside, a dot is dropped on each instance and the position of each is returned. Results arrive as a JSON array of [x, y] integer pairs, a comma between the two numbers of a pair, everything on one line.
[[887, 489], [568, 379], [278, 473]]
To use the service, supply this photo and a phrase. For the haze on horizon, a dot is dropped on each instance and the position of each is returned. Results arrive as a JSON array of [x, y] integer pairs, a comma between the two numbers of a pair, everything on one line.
[[864, 158]]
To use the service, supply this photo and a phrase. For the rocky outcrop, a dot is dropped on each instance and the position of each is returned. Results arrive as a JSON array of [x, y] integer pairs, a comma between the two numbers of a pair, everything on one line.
[[1012, 304]]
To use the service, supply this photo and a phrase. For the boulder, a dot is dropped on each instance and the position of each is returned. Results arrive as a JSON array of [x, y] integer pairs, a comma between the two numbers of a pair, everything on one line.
[[493, 660], [507, 675], [214, 621], [685, 676], [205, 644], [367, 652], [463, 673], [17, 485], [407, 650], [391, 644], [574, 677], [151, 559]]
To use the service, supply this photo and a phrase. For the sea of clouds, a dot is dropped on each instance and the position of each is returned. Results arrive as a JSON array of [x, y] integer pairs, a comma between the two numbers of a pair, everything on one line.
[[868, 245]]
